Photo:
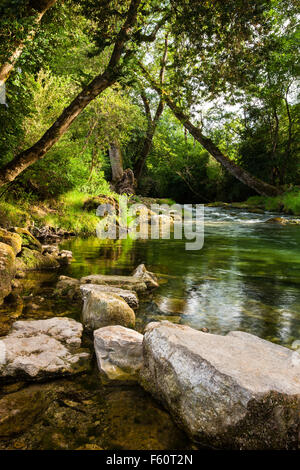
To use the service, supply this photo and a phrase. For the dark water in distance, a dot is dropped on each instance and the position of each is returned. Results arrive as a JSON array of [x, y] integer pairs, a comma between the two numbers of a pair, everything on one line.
[[246, 277]]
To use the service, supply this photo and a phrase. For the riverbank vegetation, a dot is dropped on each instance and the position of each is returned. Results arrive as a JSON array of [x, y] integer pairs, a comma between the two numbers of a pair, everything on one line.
[[141, 97]]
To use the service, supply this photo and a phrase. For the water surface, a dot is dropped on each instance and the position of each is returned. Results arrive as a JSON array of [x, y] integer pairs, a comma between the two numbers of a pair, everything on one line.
[[246, 277]]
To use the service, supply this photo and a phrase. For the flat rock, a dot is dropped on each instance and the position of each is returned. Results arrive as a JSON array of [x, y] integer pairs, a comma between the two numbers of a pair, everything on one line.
[[19, 410], [104, 309], [39, 349], [123, 282], [236, 391], [119, 352], [130, 297]]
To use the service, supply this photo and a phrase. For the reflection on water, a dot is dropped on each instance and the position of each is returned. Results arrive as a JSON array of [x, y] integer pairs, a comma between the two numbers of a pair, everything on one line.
[[246, 277]]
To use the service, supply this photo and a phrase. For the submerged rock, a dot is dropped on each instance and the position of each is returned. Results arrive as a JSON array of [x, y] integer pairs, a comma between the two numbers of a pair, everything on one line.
[[119, 352], [104, 309], [19, 410], [7, 270], [68, 287], [283, 221], [39, 349], [236, 391], [129, 296], [123, 282]]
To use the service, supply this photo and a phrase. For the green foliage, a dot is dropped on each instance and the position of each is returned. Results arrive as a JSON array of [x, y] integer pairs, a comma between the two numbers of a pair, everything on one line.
[[242, 54], [288, 203]]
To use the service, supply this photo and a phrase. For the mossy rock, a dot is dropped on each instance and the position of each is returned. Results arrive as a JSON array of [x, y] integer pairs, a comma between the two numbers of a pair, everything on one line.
[[34, 260], [7, 270], [28, 240], [12, 239], [93, 203]]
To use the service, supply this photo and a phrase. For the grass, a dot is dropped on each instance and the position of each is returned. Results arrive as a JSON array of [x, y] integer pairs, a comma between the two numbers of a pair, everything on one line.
[[12, 215], [66, 213], [288, 202]]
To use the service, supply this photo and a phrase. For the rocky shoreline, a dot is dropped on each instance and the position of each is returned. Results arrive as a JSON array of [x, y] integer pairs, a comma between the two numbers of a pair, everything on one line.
[[235, 391]]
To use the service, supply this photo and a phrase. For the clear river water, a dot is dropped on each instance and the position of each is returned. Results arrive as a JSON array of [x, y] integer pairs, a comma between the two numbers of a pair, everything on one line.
[[246, 277]]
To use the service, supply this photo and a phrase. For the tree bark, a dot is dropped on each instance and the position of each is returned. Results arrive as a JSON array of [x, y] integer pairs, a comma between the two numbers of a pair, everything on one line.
[[37, 8], [242, 175], [62, 124], [116, 161]]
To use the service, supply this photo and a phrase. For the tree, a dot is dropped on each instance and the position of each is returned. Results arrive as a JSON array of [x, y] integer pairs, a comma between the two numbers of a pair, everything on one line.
[[259, 186], [152, 121], [31, 14], [90, 92]]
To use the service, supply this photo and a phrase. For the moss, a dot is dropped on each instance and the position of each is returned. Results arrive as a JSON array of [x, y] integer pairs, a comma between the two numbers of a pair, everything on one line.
[[11, 215], [34, 260], [28, 240]]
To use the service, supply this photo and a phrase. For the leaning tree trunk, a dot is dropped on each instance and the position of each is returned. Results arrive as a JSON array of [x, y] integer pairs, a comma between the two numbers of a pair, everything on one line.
[[37, 8], [62, 124], [242, 175]]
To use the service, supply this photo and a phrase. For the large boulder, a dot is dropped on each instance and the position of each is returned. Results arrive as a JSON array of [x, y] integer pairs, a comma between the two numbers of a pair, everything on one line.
[[123, 282], [236, 391], [12, 239], [39, 349], [119, 352], [129, 296], [7, 270], [104, 309]]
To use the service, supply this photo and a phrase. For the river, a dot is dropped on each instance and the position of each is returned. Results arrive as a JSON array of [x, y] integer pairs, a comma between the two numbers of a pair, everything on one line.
[[246, 277]]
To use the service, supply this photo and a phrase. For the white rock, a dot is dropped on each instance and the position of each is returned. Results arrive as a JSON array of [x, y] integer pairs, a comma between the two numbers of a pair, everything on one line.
[[234, 391], [119, 352], [39, 349]]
